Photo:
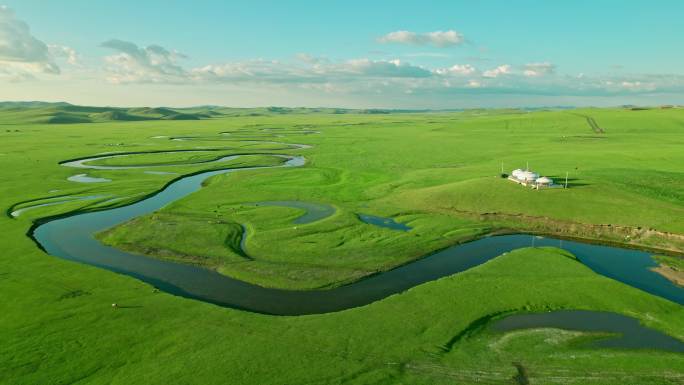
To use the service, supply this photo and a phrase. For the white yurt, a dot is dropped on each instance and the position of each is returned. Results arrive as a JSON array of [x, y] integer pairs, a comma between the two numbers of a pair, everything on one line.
[[528, 176], [544, 181], [516, 173]]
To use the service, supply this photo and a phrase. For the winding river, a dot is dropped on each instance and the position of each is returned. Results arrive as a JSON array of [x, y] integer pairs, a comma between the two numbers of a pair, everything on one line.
[[72, 238]]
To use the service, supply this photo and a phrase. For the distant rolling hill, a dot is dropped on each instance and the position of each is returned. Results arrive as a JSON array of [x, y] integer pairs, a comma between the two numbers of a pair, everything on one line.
[[64, 113]]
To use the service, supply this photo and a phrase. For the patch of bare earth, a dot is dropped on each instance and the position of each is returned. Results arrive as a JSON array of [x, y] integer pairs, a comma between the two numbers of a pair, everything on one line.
[[673, 274]]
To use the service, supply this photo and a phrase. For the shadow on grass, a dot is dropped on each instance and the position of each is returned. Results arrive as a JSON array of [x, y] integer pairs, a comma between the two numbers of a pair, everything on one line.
[[572, 182]]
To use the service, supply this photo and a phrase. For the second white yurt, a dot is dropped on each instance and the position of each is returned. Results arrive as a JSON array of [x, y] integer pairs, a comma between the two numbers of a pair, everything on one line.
[[544, 181]]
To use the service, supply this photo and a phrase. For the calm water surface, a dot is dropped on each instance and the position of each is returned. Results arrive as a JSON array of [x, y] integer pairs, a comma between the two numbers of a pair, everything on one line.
[[630, 334], [383, 222]]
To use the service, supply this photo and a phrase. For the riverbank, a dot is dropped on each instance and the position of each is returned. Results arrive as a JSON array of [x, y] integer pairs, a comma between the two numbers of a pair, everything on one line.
[[671, 268], [218, 242], [72, 238]]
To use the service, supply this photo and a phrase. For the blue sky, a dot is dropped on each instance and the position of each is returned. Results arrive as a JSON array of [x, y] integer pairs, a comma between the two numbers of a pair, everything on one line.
[[407, 54]]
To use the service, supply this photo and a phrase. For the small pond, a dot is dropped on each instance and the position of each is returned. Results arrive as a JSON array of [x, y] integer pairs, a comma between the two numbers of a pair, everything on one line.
[[84, 178], [627, 332], [383, 222]]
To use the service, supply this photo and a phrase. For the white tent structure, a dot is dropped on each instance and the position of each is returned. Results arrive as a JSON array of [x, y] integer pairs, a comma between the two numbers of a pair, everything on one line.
[[530, 178], [543, 182]]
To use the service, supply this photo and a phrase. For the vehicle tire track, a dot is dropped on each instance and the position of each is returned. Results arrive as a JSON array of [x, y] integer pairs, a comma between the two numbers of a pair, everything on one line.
[[592, 123], [594, 126]]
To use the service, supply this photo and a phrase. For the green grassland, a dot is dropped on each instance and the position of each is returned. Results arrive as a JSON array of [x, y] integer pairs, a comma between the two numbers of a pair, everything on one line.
[[179, 158], [437, 172], [445, 185], [675, 262]]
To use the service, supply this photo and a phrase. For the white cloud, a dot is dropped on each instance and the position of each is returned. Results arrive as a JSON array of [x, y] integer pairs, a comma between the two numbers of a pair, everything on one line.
[[440, 39], [456, 69], [504, 69], [21, 53], [310, 59], [313, 72], [383, 68], [539, 69], [631, 84], [154, 64], [18, 72], [364, 76], [258, 71], [638, 86], [62, 51], [427, 54]]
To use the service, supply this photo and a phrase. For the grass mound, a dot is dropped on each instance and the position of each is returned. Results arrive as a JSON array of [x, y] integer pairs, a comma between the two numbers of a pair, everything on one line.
[[67, 118], [116, 115]]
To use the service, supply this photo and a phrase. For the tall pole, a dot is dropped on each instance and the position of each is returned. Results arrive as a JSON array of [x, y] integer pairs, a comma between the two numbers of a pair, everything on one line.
[[528, 166], [502, 167], [566, 179]]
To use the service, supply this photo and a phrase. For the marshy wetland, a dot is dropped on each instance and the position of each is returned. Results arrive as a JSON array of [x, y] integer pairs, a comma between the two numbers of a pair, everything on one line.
[[389, 268]]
